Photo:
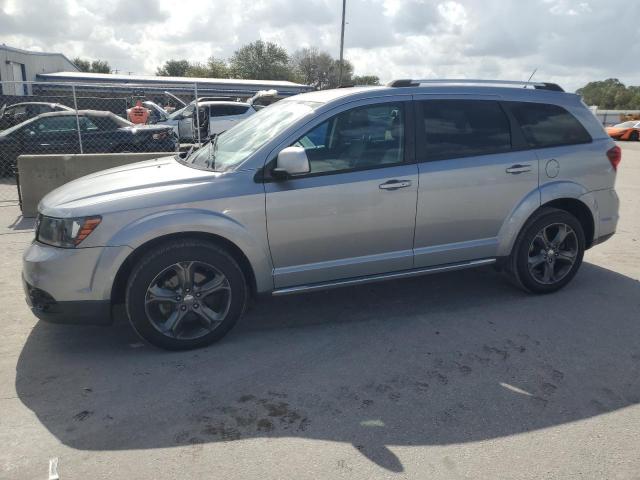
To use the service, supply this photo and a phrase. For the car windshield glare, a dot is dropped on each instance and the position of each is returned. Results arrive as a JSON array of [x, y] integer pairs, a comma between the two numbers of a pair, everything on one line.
[[232, 147]]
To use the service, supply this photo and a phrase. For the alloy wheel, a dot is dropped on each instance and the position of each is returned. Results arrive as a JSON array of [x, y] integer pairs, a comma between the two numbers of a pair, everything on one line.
[[188, 300], [552, 253]]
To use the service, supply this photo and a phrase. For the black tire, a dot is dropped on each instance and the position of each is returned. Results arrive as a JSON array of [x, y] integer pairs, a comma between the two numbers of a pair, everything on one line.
[[635, 136], [525, 252], [160, 259]]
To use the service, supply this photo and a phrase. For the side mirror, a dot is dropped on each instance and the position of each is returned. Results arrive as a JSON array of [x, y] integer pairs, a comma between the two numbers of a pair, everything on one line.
[[291, 161]]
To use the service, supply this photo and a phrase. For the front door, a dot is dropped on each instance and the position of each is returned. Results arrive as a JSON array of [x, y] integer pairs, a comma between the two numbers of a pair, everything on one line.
[[474, 171], [49, 135], [354, 213]]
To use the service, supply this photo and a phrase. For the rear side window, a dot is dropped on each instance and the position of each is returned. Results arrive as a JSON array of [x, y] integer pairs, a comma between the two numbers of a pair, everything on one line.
[[225, 110], [105, 123], [464, 128], [547, 125]]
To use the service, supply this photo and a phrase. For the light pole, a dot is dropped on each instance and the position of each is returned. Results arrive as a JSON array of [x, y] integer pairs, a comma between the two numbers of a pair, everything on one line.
[[344, 7]]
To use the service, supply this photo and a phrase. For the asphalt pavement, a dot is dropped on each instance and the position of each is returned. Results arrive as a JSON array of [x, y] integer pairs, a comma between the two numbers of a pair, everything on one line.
[[451, 376]]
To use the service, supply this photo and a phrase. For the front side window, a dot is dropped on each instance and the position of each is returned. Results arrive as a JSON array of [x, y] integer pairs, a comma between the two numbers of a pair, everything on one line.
[[464, 128], [363, 137], [547, 125], [55, 124]]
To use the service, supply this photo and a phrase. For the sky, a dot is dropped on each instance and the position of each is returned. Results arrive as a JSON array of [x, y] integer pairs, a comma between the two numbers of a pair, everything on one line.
[[568, 42]]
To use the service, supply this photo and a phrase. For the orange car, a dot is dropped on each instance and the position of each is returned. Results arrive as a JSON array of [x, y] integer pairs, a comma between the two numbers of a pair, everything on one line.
[[625, 131]]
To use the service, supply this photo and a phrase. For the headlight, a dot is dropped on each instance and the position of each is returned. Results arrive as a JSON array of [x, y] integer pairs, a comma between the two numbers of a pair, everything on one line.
[[65, 232]]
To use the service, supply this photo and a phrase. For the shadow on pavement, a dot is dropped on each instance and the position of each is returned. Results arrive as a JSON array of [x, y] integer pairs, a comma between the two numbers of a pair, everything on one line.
[[22, 223], [436, 360]]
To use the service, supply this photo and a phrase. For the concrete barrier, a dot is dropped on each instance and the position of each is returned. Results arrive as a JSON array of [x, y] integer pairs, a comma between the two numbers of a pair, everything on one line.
[[39, 174]]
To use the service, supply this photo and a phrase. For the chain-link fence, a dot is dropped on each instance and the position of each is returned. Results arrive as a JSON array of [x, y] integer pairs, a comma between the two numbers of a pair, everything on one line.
[[71, 118]]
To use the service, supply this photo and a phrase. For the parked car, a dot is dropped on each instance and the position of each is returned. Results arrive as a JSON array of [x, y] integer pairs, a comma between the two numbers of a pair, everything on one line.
[[19, 112], [625, 131], [217, 114], [215, 117], [328, 189], [101, 132]]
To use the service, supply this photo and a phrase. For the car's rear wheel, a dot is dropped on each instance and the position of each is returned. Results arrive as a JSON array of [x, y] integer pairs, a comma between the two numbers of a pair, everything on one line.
[[185, 294], [634, 136], [548, 252]]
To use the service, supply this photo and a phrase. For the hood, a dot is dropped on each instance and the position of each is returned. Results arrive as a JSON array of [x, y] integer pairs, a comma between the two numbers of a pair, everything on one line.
[[137, 185]]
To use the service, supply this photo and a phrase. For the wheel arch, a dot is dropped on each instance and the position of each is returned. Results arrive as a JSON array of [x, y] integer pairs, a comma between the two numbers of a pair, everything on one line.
[[120, 281], [579, 210], [563, 195]]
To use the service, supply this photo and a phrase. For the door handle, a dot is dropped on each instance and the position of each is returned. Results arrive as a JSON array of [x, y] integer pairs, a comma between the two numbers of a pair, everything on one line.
[[516, 169], [395, 184]]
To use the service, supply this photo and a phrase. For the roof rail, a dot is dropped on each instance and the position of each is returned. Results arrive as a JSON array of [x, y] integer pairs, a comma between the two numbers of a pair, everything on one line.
[[417, 82]]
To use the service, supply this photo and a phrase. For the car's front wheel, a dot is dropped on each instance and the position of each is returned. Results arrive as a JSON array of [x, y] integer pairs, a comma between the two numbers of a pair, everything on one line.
[[185, 294], [548, 252]]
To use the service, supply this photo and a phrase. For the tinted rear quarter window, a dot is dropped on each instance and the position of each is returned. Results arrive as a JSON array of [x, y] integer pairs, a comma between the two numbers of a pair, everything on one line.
[[225, 110], [464, 128], [545, 125]]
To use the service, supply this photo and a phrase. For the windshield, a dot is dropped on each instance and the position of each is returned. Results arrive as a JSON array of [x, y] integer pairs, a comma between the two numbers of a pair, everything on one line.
[[8, 131], [230, 148]]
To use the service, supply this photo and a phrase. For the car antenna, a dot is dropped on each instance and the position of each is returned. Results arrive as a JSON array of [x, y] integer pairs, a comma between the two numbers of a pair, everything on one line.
[[531, 76]]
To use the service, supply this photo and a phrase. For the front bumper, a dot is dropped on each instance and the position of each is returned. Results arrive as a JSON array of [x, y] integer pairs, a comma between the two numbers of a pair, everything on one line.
[[45, 307], [71, 285]]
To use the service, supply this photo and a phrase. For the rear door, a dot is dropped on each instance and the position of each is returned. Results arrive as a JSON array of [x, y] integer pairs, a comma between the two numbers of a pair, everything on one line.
[[474, 170]]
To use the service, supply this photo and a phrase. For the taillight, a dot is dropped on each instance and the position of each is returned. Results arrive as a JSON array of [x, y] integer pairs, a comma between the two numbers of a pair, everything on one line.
[[614, 154]]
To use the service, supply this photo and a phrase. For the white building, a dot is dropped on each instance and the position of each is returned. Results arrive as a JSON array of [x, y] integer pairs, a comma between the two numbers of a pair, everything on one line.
[[18, 65]]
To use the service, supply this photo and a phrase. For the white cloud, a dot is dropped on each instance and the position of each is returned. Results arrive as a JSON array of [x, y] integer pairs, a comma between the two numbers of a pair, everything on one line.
[[570, 42]]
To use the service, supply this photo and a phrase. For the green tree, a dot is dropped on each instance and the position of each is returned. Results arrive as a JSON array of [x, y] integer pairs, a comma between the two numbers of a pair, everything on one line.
[[319, 69], [213, 68], [173, 68], [100, 66], [607, 94], [83, 65], [197, 69], [365, 80], [217, 68], [261, 61], [95, 66]]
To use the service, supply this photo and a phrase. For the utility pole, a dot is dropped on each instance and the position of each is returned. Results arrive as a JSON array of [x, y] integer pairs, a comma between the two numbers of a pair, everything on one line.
[[344, 7]]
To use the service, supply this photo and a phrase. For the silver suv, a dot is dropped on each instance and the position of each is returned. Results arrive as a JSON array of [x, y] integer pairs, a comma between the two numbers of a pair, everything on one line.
[[327, 189]]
